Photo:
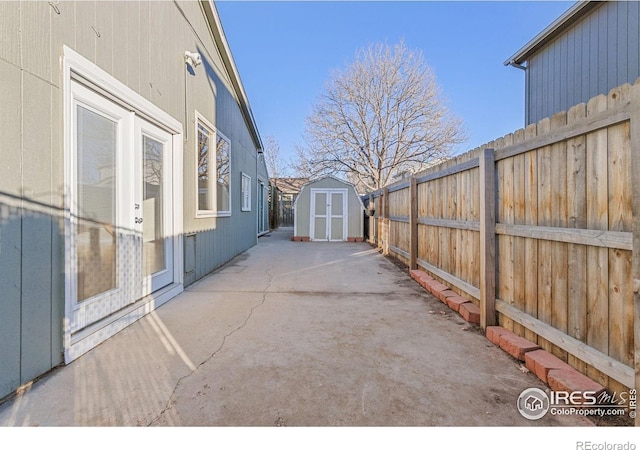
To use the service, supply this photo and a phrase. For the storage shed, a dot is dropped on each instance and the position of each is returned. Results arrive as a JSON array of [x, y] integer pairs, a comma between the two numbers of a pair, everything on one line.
[[328, 209]]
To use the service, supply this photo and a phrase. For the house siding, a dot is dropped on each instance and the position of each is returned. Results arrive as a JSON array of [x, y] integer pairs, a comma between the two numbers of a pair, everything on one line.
[[31, 180], [141, 45], [599, 52], [262, 177], [217, 240]]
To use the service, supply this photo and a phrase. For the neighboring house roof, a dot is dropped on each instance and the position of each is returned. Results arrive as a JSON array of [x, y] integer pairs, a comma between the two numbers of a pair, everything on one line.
[[289, 185], [220, 39], [558, 26]]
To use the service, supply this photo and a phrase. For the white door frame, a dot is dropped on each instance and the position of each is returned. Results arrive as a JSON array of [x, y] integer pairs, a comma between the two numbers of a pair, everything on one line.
[[144, 128], [328, 215], [78, 71], [263, 203]]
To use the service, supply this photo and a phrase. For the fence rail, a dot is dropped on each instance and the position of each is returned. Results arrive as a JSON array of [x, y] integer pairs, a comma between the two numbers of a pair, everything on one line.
[[541, 229]]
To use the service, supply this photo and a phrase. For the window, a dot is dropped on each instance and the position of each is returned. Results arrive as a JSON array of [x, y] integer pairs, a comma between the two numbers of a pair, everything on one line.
[[223, 163], [213, 171], [246, 192], [205, 188]]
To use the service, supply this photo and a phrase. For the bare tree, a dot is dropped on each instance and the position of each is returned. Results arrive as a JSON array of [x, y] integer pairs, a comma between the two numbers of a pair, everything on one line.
[[275, 165], [379, 119]]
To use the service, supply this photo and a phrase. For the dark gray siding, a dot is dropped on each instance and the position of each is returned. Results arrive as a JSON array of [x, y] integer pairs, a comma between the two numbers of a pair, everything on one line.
[[10, 283], [140, 44], [598, 53], [263, 177], [235, 234], [31, 307], [31, 240]]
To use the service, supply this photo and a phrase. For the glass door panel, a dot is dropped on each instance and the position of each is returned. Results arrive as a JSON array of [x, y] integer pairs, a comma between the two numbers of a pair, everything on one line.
[[100, 235], [96, 236], [152, 207], [154, 221]]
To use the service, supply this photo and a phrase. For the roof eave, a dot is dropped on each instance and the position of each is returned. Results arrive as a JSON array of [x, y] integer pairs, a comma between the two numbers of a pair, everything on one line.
[[568, 18], [216, 27]]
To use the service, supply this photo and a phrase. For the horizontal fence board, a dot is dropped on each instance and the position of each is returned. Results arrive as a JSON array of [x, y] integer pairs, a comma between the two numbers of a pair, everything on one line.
[[604, 363], [457, 282], [462, 167], [597, 238], [592, 123], [399, 187], [399, 251], [445, 223], [402, 219]]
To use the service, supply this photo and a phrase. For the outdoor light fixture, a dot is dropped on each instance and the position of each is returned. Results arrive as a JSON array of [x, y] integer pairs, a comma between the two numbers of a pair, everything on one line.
[[192, 59]]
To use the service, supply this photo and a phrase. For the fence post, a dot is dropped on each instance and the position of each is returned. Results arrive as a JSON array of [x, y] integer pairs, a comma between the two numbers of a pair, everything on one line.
[[413, 223], [487, 238], [376, 223], [385, 221], [370, 218], [635, 196]]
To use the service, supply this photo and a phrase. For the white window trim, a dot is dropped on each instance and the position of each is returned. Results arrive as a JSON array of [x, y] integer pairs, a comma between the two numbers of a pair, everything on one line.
[[201, 120], [246, 193], [208, 213]]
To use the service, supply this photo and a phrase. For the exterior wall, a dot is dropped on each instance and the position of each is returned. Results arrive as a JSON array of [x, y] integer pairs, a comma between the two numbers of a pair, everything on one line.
[[141, 44], [303, 204], [211, 242], [599, 52], [263, 177]]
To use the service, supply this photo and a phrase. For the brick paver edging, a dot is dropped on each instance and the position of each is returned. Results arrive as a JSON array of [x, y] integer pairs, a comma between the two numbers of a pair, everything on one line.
[[554, 372], [463, 306]]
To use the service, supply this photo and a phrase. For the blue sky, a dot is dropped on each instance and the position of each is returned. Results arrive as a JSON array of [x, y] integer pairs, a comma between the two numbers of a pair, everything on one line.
[[286, 50]]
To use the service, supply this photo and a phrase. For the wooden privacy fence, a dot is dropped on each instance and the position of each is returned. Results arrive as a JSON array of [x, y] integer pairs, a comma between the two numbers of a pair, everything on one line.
[[541, 229]]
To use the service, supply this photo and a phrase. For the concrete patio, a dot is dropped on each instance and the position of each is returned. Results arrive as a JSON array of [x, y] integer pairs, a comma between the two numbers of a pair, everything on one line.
[[290, 334]]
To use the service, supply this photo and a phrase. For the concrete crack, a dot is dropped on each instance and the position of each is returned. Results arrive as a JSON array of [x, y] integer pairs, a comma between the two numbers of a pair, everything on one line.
[[218, 350]]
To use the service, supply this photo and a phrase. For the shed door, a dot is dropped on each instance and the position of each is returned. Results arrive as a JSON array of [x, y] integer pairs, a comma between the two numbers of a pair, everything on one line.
[[319, 216], [328, 215], [337, 211]]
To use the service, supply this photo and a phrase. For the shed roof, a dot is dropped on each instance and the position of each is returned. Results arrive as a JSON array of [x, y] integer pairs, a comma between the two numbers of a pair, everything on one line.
[[339, 180], [324, 177], [576, 12]]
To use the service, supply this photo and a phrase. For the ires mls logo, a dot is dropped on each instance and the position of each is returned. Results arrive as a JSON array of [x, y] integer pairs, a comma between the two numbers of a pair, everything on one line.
[[576, 398], [534, 403]]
